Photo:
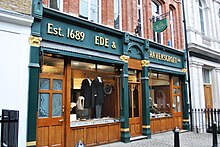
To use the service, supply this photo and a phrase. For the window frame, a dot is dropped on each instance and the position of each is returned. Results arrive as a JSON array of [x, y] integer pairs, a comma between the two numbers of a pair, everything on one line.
[[155, 15], [139, 8], [88, 17], [171, 20], [60, 5], [118, 14], [202, 20]]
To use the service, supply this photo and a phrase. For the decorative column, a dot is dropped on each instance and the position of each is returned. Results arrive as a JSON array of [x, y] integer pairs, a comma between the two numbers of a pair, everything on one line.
[[145, 99], [33, 90], [34, 40], [124, 108], [218, 87], [185, 102]]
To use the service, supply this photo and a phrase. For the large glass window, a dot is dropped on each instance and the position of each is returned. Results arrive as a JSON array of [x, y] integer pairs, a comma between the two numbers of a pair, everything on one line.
[[156, 12], [94, 93], [117, 14], [201, 16], [90, 9], [160, 101]]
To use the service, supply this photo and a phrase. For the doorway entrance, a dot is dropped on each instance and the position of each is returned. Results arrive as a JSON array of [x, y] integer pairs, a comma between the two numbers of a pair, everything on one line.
[[50, 116], [134, 95]]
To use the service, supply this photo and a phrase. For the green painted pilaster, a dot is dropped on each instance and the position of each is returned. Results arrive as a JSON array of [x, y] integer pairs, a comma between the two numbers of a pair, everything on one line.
[[145, 100], [124, 114], [32, 96], [185, 105]]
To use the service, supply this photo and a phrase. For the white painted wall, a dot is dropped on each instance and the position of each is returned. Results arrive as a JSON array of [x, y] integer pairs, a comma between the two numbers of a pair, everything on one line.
[[14, 49]]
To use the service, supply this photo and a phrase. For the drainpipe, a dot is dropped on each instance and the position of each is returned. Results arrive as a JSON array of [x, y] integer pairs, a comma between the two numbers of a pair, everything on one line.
[[187, 61]]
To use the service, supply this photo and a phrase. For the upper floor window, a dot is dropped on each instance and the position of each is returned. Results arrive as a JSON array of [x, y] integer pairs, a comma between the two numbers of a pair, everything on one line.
[[56, 4], [201, 16], [171, 41], [156, 12], [139, 28], [206, 76], [117, 14], [90, 9]]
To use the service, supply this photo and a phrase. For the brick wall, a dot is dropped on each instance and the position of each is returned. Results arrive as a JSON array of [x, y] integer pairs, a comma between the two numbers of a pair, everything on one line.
[[21, 6], [129, 17]]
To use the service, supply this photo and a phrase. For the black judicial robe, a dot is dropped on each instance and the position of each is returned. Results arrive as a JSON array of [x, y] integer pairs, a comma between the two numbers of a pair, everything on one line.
[[98, 92], [86, 92]]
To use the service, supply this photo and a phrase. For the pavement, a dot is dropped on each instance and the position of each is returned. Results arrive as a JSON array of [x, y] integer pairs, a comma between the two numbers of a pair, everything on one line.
[[187, 139]]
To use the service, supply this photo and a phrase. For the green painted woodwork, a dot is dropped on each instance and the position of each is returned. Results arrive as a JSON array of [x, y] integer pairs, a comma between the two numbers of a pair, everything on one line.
[[185, 104], [164, 50], [33, 93], [124, 108], [61, 28], [167, 71], [145, 102], [37, 9], [80, 56]]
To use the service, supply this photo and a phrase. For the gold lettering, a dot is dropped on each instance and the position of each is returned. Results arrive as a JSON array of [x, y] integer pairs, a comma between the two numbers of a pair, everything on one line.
[[96, 40], [49, 28], [106, 42], [101, 41]]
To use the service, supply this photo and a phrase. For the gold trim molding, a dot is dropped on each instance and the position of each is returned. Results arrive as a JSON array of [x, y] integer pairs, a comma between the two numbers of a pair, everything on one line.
[[34, 41], [145, 62], [184, 70], [124, 129], [146, 127], [124, 58], [185, 120], [31, 143]]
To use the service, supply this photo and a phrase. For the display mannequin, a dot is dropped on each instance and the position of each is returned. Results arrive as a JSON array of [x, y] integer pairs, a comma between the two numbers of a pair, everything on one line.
[[86, 92], [98, 95]]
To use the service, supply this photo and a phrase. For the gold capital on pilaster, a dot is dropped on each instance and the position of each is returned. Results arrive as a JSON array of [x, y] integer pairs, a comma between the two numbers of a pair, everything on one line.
[[124, 58], [145, 62], [184, 70], [34, 41]]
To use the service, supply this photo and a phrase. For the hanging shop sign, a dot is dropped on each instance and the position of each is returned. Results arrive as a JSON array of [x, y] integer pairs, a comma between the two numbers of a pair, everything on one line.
[[160, 25]]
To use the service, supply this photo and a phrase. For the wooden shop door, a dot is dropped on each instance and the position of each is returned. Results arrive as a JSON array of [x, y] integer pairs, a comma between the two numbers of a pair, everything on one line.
[[208, 96], [134, 109], [50, 116], [176, 101]]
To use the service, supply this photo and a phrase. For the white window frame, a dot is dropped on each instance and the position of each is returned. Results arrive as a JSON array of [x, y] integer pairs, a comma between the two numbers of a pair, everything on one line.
[[172, 35], [60, 5], [89, 10], [139, 7], [202, 11], [119, 14], [156, 15]]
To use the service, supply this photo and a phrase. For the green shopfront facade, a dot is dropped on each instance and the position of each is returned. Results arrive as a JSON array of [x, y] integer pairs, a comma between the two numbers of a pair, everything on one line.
[[66, 50]]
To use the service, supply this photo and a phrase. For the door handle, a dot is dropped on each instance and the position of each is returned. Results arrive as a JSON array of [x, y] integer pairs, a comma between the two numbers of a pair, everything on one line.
[[61, 120]]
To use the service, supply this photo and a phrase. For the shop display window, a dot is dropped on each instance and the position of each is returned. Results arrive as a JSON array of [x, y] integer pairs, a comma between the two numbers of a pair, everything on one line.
[[160, 101], [52, 65], [94, 94]]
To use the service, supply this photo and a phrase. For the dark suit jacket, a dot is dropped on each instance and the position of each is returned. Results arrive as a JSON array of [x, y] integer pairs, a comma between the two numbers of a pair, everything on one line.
[[86, 92], [98, 92]]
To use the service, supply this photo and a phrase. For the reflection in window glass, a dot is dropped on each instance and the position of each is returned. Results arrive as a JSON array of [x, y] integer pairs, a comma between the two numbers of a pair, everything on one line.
[[57, 84], [43, 105], [159, 94], [205, 74], [44, 84], [54, 4], [105, 68], [176, 81], [57, 105], [52, 65], [117, 14], [83, 65]]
